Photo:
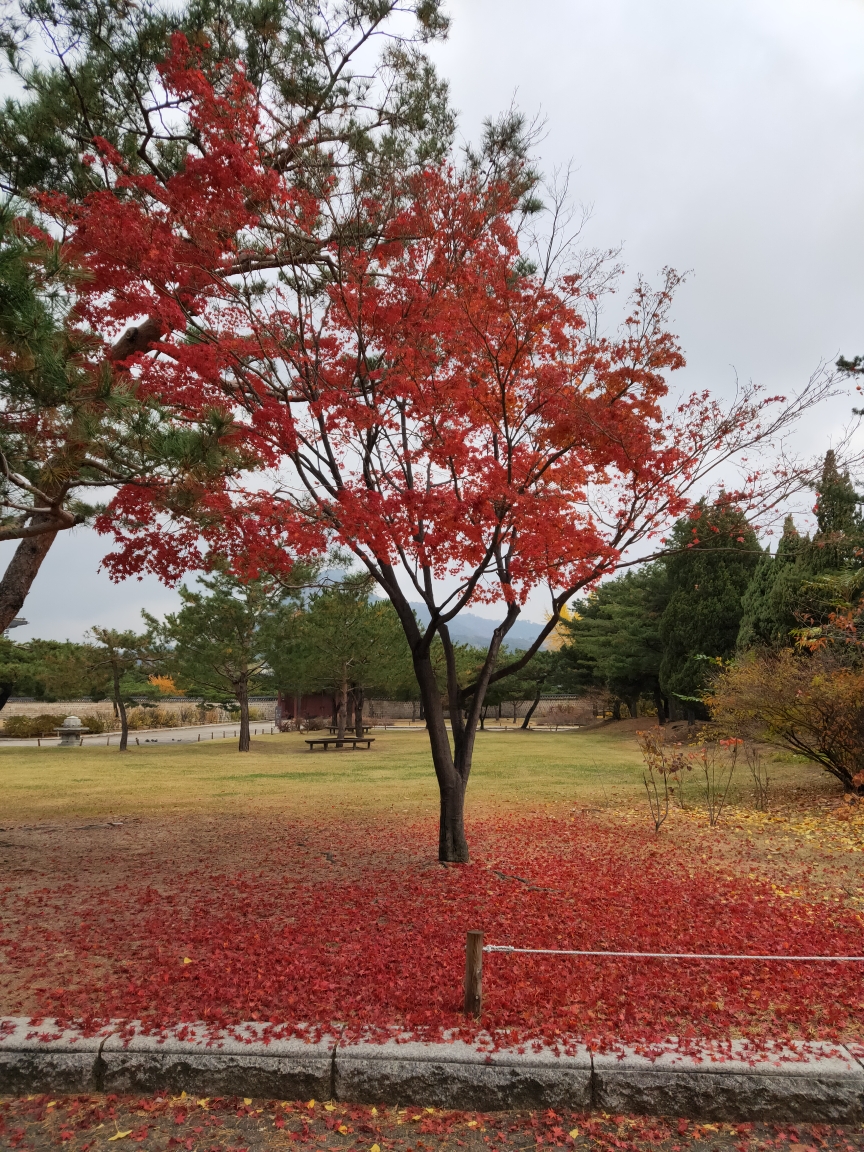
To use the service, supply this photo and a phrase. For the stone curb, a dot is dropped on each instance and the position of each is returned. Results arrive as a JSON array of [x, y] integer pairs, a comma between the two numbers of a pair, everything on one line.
[[804, 1083]]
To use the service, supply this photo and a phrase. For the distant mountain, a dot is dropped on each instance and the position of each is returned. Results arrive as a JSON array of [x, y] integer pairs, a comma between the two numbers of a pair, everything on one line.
[[469, 628]]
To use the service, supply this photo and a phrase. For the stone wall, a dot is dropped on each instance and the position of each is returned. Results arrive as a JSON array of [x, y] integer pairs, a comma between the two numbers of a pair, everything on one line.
[[560, 709], [262, 708]]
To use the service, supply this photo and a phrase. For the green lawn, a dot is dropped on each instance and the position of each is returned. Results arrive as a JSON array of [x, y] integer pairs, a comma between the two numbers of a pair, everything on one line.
[[279, 772]]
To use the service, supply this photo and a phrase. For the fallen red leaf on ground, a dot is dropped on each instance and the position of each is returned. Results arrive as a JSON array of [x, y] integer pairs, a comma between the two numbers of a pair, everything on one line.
[[352, 928]]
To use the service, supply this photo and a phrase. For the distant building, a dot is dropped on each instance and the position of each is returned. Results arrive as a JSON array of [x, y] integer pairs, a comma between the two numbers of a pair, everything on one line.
[[320, 706]]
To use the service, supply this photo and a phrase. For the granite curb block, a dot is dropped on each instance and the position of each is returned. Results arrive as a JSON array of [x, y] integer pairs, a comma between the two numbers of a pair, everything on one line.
[[35, 1063], [457, 1075], [827, 1086], [816, 1084]]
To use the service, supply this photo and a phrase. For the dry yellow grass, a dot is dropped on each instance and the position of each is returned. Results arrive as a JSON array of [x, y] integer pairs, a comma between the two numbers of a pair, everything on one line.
[[279, 773], [596, 766]]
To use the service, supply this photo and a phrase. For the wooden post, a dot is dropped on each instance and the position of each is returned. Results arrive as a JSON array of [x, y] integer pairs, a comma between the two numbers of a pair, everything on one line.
[[474, 974]]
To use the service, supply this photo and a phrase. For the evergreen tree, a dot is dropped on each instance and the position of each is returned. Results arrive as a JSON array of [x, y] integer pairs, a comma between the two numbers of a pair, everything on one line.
[[344, 643], [707, 580], [19, 671], [530, 683], [90, 69], [121, 655], [218, 643], [837, 502], [614, 638], [771, 599], [793, 587]]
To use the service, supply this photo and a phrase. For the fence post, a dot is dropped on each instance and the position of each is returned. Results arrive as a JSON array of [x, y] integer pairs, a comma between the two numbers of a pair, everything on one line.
[[474, 974]]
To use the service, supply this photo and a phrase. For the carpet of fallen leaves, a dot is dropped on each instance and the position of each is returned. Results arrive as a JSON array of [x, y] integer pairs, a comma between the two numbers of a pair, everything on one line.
[[329, 927], [79, 1123]]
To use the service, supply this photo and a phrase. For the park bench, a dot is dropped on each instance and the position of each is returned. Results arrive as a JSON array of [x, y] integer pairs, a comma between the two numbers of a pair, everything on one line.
[[326, 741], [333, 728]]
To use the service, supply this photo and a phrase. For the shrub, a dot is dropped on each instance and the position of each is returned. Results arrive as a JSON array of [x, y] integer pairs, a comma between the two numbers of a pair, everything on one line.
[[569, 715], [809, 703], [153, 718], [95, 722], [664, 761], [139, 718], [29, 727]]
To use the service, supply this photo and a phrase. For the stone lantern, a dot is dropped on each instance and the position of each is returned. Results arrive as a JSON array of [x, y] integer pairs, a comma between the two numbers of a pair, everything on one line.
[[71, 732]]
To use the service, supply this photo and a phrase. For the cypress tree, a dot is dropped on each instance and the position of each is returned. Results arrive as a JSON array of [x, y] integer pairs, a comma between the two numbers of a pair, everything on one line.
[[782, 594], [837, 541], [836, 501], [771, 599]]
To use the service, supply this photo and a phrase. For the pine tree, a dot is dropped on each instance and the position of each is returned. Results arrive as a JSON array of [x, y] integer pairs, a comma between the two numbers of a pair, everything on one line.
[[614, 640], [707, 580]]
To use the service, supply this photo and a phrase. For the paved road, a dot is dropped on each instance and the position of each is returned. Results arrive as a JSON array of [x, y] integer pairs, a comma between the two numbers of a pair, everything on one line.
[[155, 735]]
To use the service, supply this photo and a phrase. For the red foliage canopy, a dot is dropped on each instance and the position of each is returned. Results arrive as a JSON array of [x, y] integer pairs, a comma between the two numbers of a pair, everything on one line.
[[408, 387], [418, 393]]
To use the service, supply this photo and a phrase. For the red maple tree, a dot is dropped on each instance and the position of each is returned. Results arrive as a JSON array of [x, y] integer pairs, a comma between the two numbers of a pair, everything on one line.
[[410, 387]]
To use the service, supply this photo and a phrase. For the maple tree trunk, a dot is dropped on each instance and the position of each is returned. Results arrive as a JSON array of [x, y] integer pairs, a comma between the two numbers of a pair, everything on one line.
[[241, 691], [452, 845], [20, 574]]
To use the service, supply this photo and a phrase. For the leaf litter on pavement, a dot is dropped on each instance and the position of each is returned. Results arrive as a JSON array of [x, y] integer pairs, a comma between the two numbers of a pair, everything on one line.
[[162, 1123]]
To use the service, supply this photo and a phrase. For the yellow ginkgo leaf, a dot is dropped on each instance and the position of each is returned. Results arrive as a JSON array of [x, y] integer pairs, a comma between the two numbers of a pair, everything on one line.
[[247, 1100], [50, 1103], [187, 960], [183, 1095], [574, 1132], [120, 1135], [329, 1107], [203, 1103], [311, 1104], [375, 1148], [373, 1111], [430, 1109], [343, 1129]]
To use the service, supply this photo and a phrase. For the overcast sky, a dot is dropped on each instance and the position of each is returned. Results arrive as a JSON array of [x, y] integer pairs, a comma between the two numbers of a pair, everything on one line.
[[723, 137]]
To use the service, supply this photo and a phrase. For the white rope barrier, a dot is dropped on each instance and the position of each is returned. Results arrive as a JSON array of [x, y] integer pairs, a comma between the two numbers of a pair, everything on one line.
[[667, 955]]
